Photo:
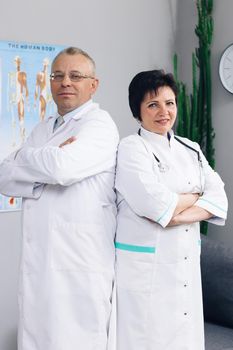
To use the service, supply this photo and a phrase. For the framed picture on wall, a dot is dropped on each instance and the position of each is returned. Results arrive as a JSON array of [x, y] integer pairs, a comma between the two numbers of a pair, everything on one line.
[[25, 97]]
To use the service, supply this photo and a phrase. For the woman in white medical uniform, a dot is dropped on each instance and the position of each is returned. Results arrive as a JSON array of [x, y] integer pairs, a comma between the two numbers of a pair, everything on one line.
[[165, 187]]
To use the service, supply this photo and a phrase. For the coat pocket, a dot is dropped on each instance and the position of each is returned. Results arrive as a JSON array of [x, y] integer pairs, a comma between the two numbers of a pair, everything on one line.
[[134, 267], [76, 245]]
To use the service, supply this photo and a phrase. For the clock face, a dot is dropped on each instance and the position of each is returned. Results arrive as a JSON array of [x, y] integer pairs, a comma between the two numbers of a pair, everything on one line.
[[226, 69]]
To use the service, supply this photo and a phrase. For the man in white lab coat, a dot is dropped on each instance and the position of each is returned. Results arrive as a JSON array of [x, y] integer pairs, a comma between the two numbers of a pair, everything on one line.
[[65, 174]]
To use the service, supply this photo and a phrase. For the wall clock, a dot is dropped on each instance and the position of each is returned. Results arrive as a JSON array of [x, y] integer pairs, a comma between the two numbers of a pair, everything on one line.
[[226, 68]]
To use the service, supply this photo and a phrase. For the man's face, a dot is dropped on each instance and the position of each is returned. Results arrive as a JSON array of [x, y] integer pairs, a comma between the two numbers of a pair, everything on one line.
[[67, 94]]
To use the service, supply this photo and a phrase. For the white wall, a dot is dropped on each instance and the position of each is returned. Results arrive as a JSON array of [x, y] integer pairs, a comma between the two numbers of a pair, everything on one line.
[[9, 266], [223, 111], [185, 43], [124, 37]]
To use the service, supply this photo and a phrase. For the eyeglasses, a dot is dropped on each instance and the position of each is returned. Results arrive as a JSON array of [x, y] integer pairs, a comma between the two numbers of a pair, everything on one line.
[[73, 76]]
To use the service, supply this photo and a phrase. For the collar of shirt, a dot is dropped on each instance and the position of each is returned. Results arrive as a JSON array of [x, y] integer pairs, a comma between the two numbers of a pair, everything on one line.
[[71, 114], [154, 138]]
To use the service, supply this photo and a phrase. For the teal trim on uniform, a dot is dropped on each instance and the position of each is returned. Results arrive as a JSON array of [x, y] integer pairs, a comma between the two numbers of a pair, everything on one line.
[[216, 206], [199, 242], [134, 248], [162, 216]]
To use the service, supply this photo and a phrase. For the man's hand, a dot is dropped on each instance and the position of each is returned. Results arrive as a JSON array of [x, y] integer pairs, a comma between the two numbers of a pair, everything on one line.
[[68, 141]]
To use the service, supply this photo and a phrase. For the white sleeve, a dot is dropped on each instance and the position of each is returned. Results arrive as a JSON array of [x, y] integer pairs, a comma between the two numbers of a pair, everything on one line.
[[214, 198], [15, 188], [10, 183], [138, 183], [93, 152]]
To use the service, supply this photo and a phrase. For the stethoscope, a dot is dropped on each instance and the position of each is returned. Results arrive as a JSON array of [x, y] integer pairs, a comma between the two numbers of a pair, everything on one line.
[[163, 168]]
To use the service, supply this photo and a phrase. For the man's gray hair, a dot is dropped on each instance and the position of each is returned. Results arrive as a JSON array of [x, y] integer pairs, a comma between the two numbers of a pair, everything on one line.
[[75, 51]]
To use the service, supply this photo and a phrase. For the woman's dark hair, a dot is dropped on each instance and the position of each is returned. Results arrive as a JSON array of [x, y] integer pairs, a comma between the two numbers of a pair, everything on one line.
[[145, 82]]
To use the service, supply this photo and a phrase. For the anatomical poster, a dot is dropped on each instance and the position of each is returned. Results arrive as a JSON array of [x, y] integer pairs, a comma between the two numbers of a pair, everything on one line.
[[25, 97]]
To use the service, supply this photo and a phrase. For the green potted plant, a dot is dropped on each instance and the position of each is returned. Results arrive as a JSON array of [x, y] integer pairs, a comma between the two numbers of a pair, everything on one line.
[[195, 109]]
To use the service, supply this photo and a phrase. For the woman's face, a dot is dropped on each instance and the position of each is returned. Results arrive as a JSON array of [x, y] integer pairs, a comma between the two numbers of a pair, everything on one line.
[[158, 111]]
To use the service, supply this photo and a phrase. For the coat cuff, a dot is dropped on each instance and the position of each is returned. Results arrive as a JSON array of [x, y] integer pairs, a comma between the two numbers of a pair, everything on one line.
[[167, 215], [219, 213]]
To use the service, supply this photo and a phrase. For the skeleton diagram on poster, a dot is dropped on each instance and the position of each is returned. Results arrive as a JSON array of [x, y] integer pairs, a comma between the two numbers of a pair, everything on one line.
[[25, 97]]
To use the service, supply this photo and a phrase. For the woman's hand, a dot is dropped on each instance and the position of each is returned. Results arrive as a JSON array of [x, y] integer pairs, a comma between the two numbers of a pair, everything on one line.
[[189, 216], [185, 201]]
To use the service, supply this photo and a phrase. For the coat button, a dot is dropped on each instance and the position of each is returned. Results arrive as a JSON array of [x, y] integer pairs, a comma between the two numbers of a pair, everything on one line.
[[186, 230], [185, 258], [185, 313]]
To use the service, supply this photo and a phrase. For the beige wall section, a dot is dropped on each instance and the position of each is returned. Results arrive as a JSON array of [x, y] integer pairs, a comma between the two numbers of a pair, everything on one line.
[[185, 43], [124, 37]]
